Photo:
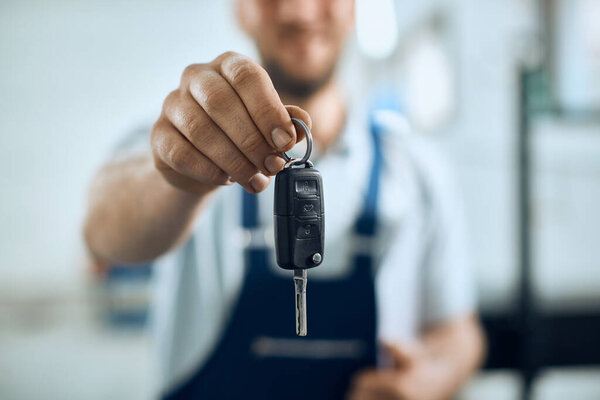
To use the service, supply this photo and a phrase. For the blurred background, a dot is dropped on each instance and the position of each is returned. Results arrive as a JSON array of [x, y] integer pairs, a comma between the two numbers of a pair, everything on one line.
[[510, 89]]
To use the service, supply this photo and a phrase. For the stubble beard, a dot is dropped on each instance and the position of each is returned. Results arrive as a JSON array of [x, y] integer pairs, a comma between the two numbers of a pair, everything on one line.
[[287, 85]]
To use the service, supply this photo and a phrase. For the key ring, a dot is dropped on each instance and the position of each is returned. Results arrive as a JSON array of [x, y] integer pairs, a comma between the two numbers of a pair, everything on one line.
[[309, 143]]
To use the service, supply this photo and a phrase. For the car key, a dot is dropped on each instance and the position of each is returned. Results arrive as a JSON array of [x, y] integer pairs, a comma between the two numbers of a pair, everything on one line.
[[299, 222]]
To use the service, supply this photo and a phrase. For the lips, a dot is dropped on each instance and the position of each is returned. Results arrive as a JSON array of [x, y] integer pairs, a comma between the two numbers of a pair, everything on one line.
[[295, 33]]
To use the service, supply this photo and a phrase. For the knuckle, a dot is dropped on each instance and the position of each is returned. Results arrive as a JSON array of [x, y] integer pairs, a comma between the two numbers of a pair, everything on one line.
[[213, 174], [242, 169], [159, 164], [177, 158], [214, 98], [210, 92], [251, 143], [188, 123], [157, 139], [154, 131], [229, 55], [204, 139], [266, 112], [242, 71], [191, 123], [190, 71], [171, 100]]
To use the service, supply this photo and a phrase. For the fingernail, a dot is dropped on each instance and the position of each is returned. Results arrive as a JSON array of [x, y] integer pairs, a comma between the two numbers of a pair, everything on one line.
[[281, 138], [259, 182], [274, 163], [229, 181]]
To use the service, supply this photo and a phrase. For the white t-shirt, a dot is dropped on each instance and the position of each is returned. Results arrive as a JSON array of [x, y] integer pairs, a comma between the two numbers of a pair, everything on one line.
[[423, 276]]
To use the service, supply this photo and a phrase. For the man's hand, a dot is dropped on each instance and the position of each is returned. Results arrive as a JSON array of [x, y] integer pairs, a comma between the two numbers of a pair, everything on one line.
[[225, 123], [433, 369], [412, 377]]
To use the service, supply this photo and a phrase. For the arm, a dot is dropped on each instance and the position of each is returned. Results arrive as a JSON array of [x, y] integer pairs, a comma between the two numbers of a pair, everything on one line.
[[144, 221], [454, 350], [433, 369], [224, 124]]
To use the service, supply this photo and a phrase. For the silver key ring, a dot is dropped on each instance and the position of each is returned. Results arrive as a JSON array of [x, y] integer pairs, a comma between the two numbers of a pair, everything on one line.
[[309, 143]]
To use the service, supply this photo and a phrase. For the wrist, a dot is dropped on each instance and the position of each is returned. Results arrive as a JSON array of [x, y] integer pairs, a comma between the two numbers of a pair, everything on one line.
[[184, 193]]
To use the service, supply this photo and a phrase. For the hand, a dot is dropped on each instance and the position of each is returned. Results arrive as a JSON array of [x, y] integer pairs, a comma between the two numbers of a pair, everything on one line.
[[413, 376], [225, 123]]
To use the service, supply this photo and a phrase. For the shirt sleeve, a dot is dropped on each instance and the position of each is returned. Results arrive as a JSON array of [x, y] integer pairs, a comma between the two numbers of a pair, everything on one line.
[[448, 283]]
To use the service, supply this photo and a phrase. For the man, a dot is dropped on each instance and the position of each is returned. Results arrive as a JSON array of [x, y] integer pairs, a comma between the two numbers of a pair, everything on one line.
[[390, 311]]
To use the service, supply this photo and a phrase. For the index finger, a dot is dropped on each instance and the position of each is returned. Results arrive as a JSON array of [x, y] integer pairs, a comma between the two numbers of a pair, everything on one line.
[[254, 86]]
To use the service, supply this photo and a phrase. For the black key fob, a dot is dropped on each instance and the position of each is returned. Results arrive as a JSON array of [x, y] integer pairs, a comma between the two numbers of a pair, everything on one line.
[[299, 217], [299, 222]]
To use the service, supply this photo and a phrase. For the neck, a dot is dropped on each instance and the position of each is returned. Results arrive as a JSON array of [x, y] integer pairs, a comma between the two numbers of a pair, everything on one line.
[[327, 110]]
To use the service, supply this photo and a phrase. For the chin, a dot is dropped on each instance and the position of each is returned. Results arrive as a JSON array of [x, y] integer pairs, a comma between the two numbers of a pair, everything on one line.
[[300, 71], [308, 72], [308, 66]]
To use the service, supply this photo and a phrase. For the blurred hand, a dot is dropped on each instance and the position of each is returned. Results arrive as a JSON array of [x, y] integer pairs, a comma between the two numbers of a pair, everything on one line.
[[225, 123], [413, 376]]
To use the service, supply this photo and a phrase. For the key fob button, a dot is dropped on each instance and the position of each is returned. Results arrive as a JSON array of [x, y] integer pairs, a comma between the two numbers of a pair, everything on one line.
[[306, 187], [306, 229], [308, 208]]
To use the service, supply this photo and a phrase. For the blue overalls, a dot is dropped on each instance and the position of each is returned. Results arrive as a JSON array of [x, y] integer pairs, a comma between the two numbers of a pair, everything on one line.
[[260, 357]]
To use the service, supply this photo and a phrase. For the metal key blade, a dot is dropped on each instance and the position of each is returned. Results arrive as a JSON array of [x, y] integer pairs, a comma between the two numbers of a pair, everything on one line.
[[300, 289]]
